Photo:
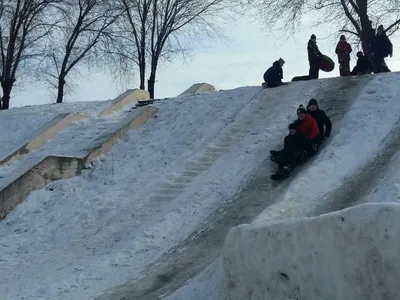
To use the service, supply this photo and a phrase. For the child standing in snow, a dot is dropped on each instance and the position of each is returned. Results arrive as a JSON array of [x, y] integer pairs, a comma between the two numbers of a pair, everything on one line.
[[343, 50]]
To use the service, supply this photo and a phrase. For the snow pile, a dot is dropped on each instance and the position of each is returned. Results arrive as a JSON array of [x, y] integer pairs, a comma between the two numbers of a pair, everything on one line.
[[18, 123], [350, 254], [116, 218]]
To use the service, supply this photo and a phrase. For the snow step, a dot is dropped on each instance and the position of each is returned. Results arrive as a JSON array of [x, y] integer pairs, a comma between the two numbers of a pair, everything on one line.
[[175, 186], [161, 198], [168, 192], [190, 173]]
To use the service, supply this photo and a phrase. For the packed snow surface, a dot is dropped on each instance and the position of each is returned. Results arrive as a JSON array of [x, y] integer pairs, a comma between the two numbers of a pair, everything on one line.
[[18, 123], [77, 238], [368, 128], [349, 254]]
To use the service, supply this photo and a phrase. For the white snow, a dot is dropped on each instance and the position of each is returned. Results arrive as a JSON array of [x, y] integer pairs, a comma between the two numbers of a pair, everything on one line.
[[77, 238], [207, 285], [366, 128], [121, 215], [349, 254], [18, 123]]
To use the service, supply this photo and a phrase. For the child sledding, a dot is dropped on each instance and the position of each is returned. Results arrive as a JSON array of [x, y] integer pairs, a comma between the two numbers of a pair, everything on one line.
[[305, 136]]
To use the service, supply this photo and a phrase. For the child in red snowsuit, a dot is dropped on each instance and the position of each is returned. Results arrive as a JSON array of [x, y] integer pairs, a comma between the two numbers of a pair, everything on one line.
[[343, 50]]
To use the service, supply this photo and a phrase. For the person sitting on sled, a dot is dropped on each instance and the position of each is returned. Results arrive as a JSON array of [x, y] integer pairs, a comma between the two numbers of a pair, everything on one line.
[[274, 75], [364, 65], [293, 153], [322, 120], [309, 126], [343, 50]]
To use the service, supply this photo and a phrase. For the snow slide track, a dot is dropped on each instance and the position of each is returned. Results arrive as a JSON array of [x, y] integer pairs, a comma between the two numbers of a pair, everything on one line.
[[204, 245], [358, 185], [174, 185]]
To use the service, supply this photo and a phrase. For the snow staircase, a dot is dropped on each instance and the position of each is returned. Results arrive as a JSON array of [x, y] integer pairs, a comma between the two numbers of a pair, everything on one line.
[[259, 115], [60, 152]]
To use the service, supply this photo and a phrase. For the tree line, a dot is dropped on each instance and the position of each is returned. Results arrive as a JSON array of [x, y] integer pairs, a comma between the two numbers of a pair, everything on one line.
[[52, 38]]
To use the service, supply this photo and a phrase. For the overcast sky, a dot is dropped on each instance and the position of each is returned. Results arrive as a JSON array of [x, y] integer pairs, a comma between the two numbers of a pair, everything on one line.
[[239, 61]]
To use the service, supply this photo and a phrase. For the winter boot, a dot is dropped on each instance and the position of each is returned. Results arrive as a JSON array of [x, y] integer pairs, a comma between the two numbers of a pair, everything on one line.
[[275, 153]]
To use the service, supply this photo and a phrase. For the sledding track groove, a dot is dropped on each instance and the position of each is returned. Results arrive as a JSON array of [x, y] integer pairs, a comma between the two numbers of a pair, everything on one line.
[[204, 246], [362, 182]]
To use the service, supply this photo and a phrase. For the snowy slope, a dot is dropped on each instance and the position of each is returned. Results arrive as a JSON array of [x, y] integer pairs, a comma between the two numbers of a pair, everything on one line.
[[370, 128], [16, 124], [145, 196], [151, 191]]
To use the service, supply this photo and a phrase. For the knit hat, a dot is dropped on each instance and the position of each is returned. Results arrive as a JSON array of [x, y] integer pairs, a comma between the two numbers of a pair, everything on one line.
[[312, 102], [313, 36], [360, 54], [292, 126], [342, 38], [301, 110], [281, 60]]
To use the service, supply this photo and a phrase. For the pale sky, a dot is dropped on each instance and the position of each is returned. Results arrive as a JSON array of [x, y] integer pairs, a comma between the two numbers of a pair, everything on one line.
[[241, 61]]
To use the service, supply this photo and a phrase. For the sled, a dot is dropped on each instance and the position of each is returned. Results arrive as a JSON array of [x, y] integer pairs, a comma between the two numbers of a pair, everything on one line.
[[265, 85], [144, 102], [280, 176], [301, 78], [326, 64]]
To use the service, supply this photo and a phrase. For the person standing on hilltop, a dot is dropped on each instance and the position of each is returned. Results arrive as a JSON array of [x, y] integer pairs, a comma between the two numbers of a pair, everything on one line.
[[343, 50], [381, 47], [313, 57]]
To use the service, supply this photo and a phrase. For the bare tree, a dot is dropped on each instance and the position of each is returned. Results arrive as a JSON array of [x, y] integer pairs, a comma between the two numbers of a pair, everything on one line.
[[23, 23], [81, 26], [357, 17], [155, 30]]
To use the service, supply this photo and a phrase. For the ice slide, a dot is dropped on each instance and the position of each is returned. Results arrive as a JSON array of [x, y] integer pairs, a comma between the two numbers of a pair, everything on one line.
[[130, 229], [198, 253]]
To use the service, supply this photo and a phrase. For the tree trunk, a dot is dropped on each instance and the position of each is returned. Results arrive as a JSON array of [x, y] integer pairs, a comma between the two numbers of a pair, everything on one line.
[[6, 87], [150, 84], [60, 92], [367, 32], [152, 79], [142, 71]]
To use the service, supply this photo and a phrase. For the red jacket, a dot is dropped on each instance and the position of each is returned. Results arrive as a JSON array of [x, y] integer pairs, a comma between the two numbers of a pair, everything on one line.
[[309, 127], [343, 50]]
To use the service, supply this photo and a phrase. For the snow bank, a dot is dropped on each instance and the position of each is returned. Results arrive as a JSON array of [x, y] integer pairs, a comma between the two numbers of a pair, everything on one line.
[[18, 123], [349, 254], [364, 131], [110, 223]]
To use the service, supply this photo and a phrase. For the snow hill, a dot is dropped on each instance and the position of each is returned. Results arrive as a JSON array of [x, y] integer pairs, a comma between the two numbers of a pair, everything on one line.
[[148, 220]]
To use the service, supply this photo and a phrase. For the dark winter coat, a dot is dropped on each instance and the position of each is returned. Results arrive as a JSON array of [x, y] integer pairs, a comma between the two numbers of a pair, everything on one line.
[[295, 143], [274, 75], [313, 51], [381, 46], [309, 127], [364, 66], [322, 119]]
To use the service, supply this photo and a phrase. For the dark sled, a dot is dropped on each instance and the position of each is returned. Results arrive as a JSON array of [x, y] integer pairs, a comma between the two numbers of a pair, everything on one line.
[[144, 102], [280, 176], [301, 78], [326, 64]]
